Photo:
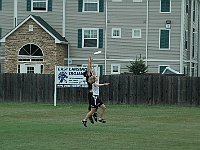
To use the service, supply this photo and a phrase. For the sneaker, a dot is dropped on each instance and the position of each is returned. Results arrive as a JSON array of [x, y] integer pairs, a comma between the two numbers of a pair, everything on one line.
[[91, 120], [102, 120], [84, 123], [95, 116]]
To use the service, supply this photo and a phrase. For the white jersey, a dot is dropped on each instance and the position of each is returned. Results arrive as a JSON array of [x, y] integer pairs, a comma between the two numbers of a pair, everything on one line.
[[95, 89]]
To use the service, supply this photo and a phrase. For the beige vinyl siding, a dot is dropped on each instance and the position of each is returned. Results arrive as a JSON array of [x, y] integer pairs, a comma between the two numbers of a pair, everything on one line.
[[78, 20], [53, 18], [126, 15], [157, 22], [6, 24]]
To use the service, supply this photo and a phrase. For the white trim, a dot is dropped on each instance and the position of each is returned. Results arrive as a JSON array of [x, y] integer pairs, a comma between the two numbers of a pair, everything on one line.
[[182, 43], [37, 1], [172, 70], [147, 34], [88, 1], [64, 15], [149, 60], [116, 29], [162, 66], [30, 56], [97, 38], [169, 38], [15, 14], [170, 8], [106, 32], [135, 36], [112, 68]]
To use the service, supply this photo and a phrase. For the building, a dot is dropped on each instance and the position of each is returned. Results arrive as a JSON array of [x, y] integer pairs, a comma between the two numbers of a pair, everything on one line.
[[164, 32]]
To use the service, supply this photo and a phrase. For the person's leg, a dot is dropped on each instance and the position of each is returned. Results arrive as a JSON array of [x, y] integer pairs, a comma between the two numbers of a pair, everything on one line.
[[89, 107], [103, 108], [90, 118], [95, 114], [88, 115]]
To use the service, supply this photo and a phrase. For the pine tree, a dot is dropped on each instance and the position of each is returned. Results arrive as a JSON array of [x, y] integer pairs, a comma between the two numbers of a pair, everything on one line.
[[137, 67]]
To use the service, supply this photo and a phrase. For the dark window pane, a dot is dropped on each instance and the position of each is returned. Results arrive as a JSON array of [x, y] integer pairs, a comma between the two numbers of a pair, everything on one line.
[[164, 39], [90, 43], [30, 50], [165, 5], [90, 7]]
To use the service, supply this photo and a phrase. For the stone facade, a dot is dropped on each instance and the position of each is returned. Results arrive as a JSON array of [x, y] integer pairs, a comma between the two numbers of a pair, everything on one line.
[[53, 54]]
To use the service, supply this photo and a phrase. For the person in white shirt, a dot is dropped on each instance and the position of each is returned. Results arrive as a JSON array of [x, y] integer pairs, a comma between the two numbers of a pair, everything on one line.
[[95, 101]]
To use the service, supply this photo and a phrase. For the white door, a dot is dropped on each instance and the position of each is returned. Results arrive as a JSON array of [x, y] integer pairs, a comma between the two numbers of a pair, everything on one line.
[[30, 68]]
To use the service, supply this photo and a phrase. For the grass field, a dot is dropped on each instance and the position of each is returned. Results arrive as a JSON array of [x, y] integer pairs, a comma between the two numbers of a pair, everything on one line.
[[39, 126]]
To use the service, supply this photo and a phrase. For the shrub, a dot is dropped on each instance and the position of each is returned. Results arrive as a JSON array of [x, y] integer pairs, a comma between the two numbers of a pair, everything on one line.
[[137, 67]]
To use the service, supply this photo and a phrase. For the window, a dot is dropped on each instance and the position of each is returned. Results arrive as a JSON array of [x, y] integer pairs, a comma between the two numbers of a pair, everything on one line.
[[90, 37], [116, 0], [39, 5], [30, 50], [115, 68], [116, 32], [161, 68], [164, 39], [165, 6], [91, 5], [30, 69], [136, 33]]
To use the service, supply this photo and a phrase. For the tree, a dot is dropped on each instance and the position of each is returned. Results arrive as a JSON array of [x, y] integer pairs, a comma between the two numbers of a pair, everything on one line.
[[137, 67]]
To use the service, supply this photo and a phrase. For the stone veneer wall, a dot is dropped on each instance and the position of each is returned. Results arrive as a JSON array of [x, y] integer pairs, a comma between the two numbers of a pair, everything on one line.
[[53, 54]]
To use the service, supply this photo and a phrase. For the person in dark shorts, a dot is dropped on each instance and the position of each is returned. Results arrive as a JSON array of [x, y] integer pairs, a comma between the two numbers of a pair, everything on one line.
[[87, 74], [94, 101]]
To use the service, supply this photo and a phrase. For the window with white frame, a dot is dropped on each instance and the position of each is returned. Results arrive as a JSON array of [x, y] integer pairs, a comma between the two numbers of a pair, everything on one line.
[[39, 5], [164, 42], [165, 6], [116, 0], [161, 68], [136, 33], [115, 68], [90, 37], [91, 5], [116, 32]]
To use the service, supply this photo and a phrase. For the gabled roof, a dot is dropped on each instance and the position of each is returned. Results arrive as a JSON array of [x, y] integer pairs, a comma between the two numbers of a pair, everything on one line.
[[169, 70], [44, 25]]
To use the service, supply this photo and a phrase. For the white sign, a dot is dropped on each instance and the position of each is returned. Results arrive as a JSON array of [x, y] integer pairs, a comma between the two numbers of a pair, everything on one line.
[[70, 77]]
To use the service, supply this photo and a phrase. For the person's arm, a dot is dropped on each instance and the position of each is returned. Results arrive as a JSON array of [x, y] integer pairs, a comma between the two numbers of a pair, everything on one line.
[[89, 67], [101, 84]]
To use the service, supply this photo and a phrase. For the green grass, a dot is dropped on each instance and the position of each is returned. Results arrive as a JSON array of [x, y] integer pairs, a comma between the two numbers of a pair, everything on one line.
[[39, 126]]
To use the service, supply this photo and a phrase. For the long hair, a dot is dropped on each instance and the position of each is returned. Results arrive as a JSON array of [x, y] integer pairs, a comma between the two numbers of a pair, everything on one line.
[[91, 79]]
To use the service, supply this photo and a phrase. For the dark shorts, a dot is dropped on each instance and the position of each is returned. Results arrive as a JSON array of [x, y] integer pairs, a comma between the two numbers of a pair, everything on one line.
[[94, 101]]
